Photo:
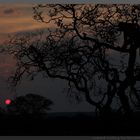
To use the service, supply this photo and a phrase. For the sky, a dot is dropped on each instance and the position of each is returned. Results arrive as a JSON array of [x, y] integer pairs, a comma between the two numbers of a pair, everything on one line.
[[18, 18]]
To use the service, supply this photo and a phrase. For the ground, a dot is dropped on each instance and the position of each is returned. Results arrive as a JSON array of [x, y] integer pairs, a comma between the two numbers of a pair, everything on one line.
[[79, 125]]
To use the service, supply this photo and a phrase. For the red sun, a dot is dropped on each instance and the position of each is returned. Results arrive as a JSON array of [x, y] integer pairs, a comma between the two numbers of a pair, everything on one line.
[[7, 101]]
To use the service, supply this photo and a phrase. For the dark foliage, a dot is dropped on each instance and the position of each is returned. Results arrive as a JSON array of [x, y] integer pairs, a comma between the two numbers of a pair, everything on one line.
[[29, 104]]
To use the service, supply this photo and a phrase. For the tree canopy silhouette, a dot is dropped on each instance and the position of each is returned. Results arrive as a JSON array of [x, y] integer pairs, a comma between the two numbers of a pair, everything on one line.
[[84, 48], [29, 104]]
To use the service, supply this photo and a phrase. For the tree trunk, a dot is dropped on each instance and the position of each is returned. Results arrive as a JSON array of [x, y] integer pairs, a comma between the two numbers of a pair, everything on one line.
[[124, 99], [129, 81]]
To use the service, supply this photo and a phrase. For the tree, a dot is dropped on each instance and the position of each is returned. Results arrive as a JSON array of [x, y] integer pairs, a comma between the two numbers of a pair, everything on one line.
[[29, 104], [2, 111], [81, 49]]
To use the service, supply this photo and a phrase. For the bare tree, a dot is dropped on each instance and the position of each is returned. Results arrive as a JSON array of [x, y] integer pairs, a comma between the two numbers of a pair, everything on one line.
[[81, 49]]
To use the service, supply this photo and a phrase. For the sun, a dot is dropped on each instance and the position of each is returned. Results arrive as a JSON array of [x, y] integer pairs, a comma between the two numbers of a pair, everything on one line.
[[7, 101]]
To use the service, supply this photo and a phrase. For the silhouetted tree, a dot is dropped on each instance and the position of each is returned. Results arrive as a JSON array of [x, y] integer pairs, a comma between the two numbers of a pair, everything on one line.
[[29, 104], [2, 111], [81, 48]]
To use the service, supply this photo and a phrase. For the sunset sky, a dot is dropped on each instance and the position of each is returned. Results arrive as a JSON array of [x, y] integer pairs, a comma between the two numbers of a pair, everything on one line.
[[15, 18], [18, 18]]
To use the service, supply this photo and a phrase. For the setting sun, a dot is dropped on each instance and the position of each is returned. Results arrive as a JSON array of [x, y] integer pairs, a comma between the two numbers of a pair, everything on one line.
[[7, 101]]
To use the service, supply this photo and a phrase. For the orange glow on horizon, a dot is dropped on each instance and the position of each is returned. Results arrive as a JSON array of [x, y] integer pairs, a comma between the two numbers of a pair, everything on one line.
[[18, 18]]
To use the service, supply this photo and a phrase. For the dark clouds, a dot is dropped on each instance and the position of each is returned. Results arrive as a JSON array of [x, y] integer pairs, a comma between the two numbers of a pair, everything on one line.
[[9, 11]]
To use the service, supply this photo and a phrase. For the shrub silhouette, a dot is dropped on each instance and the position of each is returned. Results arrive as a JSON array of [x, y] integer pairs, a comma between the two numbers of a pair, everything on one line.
[[2, 111], [29, 104]]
